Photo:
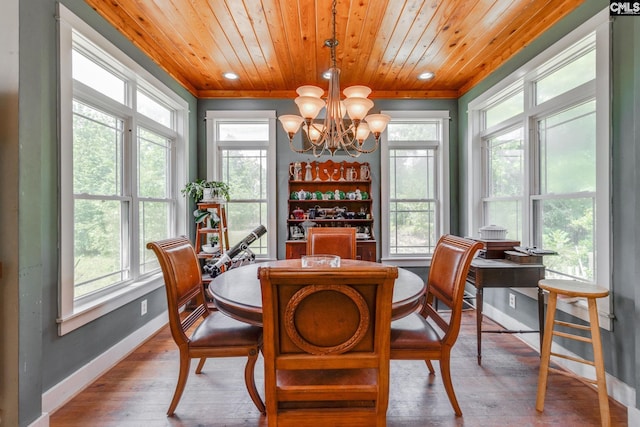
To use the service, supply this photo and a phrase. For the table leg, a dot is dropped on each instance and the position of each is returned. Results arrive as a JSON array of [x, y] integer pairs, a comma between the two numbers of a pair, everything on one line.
[[479, 322], [541, 315]]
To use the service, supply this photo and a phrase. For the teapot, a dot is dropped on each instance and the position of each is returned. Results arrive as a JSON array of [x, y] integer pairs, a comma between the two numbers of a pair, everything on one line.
[[298, 213], [302, 195], [295, 170]]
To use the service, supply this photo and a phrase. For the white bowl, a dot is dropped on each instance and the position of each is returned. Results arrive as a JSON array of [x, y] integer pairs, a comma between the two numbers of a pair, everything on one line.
[[493, 232], [208, 249]]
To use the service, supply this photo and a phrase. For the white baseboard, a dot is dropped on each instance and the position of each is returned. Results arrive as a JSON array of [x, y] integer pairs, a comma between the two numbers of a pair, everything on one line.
[[633, 416], [617, 389], [66, 389]]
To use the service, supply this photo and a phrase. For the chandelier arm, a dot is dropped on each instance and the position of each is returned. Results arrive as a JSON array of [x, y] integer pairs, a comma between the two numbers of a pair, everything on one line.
[[293, 148]]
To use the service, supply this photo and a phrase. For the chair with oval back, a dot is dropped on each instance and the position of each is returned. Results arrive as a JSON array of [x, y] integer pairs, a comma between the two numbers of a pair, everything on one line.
[[326, 344], [414, 337], [216, 335]]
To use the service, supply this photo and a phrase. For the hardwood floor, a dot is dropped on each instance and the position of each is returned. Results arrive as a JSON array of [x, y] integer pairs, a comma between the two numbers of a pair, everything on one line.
[[501, 392]]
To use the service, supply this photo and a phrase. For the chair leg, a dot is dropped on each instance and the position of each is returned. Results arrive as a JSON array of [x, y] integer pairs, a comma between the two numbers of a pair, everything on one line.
[[445, 371], [200, 365], [250, 380], [185, 362], [545, 351], [430, 366], [603, 397]]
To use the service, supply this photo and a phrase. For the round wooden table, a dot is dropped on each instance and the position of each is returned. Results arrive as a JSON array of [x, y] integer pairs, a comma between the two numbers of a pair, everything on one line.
[[237, 294]]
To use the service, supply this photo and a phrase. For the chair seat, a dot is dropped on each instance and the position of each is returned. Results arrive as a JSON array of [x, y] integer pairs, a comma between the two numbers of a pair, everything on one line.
[[218, 330], [414, 332]]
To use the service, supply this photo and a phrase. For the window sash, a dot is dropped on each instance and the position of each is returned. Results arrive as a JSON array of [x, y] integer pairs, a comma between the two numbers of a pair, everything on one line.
[[407, 239], [593, 34], [124, 249], [261, 126]]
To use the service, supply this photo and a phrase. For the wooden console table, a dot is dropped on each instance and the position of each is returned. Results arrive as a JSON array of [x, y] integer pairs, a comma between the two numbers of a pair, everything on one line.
[[501, 273]]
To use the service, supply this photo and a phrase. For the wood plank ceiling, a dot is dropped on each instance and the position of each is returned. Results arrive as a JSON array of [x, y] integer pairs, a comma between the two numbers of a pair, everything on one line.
[[274, 46]]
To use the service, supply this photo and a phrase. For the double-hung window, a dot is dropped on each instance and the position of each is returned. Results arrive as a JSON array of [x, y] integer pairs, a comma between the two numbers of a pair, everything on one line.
[[241, 152], [121, 154], [415, 196], [540, 156]]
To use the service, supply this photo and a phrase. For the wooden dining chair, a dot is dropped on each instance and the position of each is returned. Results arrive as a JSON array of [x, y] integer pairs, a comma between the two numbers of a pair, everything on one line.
[[326, 344], [216, 335], [428, 335], [339, 241]]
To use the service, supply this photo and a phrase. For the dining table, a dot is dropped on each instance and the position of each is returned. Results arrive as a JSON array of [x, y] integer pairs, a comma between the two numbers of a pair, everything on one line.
[[236, 292]]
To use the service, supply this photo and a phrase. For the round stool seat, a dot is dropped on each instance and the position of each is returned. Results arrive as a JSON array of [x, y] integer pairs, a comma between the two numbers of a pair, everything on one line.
[[573, 288]]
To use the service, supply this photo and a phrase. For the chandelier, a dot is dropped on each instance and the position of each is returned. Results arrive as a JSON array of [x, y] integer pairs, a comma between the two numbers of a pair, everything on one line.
[[334, 134]]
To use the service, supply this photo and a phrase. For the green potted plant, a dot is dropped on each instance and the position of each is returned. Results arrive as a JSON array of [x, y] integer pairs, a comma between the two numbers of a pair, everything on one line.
[[209, 191]]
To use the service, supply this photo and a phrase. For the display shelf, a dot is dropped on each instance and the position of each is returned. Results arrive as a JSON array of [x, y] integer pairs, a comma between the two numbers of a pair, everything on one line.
[[336, 194]]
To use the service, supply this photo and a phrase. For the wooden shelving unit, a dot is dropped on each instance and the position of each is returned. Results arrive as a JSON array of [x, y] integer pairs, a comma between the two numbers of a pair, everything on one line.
[[338, 194], [204, 231]]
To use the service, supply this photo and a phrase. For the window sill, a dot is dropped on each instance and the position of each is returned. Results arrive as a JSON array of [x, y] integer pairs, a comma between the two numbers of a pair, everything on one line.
[[85, 313]]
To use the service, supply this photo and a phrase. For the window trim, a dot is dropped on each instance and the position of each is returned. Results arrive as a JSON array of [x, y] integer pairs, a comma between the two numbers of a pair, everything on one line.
[[73, 314], [600, 24], [214, 166], [443, 188]]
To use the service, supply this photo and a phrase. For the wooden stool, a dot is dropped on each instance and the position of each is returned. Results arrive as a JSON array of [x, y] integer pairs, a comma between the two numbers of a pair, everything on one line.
[[574, 289]]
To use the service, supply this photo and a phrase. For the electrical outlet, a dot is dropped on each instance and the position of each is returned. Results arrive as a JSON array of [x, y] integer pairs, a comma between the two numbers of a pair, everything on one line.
[[143, 307], [512, 300]]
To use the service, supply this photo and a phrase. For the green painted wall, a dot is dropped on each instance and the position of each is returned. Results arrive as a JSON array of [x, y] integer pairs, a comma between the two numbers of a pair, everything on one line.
[[46, 358]]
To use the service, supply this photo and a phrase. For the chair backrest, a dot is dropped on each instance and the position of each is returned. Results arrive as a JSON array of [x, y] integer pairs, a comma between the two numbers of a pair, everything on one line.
[[446, 282], [327, 320], [339, 241], [183, 283]]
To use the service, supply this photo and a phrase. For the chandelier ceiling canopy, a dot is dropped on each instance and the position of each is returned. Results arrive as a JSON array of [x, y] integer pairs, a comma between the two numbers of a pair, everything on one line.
[[334, 134]]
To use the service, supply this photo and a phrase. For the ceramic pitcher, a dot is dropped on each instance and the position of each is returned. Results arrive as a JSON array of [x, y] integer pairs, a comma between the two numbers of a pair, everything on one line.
[[365, 173]]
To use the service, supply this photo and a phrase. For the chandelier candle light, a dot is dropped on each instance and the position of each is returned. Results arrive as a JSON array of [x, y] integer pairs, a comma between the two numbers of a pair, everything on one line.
[[332, 134]]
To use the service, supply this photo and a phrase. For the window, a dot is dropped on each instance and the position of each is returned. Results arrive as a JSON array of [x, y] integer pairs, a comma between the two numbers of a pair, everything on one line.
[[122, 155], [241, 152], [542, 169], [415, 203]]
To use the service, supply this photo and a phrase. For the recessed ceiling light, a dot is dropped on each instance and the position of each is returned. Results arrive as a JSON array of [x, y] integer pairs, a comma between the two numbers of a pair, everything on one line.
[[426, 76], [327, 74], [231, 76]]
